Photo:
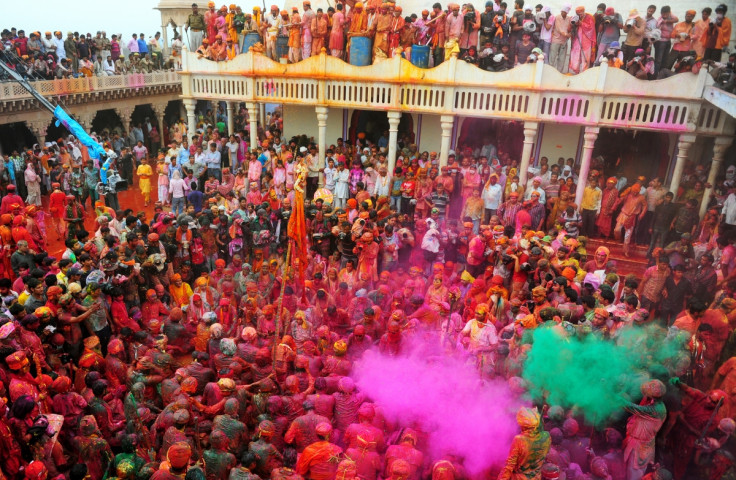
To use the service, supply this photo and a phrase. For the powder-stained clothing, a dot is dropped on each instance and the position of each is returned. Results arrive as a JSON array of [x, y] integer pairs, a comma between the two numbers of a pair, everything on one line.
[[526, 457], [641, 435], [319, 461]]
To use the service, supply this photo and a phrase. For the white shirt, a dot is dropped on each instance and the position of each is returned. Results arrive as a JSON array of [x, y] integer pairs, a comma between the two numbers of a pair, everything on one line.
[[330, 178], [546, 34], [492, 196], [729, 209], [382, 186], [60, 50]]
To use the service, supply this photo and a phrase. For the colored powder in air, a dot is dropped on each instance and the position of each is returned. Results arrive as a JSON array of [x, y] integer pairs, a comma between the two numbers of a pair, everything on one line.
[[595, 375], [445, 398]]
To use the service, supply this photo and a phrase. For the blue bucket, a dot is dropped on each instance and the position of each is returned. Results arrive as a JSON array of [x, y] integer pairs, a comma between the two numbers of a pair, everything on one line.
[[282, 46], [360, 51], [250, 40], [420, 56]]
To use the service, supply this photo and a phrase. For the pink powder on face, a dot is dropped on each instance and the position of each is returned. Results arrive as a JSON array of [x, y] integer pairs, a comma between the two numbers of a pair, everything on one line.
[[444, 397]]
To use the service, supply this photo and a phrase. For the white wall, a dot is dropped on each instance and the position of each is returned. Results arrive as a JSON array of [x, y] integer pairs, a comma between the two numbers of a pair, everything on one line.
[[431, 133], [559, 140]]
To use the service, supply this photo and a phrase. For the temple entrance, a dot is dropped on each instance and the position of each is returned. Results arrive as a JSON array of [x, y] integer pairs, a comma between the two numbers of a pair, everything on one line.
[[631, 153], [506, 136], [15, 136], [375, 124]]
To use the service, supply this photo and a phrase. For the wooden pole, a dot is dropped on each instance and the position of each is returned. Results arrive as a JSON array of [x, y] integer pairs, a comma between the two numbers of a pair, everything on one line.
[[280, 303]]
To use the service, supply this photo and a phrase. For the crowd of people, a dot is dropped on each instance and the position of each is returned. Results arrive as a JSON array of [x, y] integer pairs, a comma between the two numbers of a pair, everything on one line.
[[200, 342], [496, 39], [50, 56]]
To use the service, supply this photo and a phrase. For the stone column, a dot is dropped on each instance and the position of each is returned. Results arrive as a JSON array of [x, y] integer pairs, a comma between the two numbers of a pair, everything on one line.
[[589, 138], [159, 109], [253, 123], [683, 147], [393, 134], [39, 130], [190, 104], [322, 113], [124, 114], [229, 107], [447, 122], [530, 136], [719, 151]]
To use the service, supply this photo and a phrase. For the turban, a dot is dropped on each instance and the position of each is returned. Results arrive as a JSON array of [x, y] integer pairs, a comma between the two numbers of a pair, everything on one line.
[[35, 470], [323, 429], [340, 347], [568, 273], [466, 277], [566, 7], [219, 262], [267, 428], [62, 384], [179, 455], [635, 188], [539, 292], [691, 12], [175, 277], [602, 312], [528, 418], [115, 346], [580, 10], [653, 389], [16, 360]]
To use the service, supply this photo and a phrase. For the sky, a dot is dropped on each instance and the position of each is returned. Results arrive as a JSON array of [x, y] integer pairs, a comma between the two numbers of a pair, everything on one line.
[[85, 16]]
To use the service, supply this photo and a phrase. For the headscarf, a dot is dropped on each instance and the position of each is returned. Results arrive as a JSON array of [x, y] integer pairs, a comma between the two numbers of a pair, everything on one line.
[[528, 418]]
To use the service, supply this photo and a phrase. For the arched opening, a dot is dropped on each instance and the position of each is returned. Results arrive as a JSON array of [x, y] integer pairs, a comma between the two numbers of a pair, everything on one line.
[[632, 153], [107, 121], [375, 123], [506, 136], [15, 136], [54, 132]]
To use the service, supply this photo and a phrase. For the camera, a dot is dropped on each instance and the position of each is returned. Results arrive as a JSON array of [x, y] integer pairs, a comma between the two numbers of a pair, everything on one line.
[[637, 59], [608, 19], [469, 16], [630, 22]]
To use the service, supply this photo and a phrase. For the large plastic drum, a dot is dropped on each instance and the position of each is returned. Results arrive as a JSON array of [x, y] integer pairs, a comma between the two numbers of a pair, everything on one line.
[[250, 40], [420, 56], [282, 46], [360, 51]]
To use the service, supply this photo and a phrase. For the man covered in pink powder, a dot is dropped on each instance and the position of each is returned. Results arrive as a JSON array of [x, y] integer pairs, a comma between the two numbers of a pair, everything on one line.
[[364, 442], [642, 427], [528, 449], [405, 451]]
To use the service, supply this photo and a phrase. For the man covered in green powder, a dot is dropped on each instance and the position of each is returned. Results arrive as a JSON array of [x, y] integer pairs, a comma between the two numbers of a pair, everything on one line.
[[528, 450], [641, 429]]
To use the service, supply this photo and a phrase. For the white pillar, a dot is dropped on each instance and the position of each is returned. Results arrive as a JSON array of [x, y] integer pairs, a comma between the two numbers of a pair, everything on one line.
[[683, 147], [253, 123], [590, 136], [158, 110], [447, 122], [530, 135], [719, 151], [230, 118], [393, 139], [322, 139], [190, 104]]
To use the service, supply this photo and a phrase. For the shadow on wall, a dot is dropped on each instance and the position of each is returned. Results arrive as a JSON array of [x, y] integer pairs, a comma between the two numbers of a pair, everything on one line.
[[506, 136], [632, 153]]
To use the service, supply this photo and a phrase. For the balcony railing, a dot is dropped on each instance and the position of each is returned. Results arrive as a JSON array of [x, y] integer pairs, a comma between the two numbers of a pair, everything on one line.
[[600, 96], [11, 91]]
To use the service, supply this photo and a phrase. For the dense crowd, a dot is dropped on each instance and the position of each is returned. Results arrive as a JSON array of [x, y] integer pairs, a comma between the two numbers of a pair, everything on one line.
[[50, 56], [496, 39], [201, 342]]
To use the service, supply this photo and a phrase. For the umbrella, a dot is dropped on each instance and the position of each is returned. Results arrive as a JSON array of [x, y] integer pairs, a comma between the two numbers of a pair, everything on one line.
[[324, 194]]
